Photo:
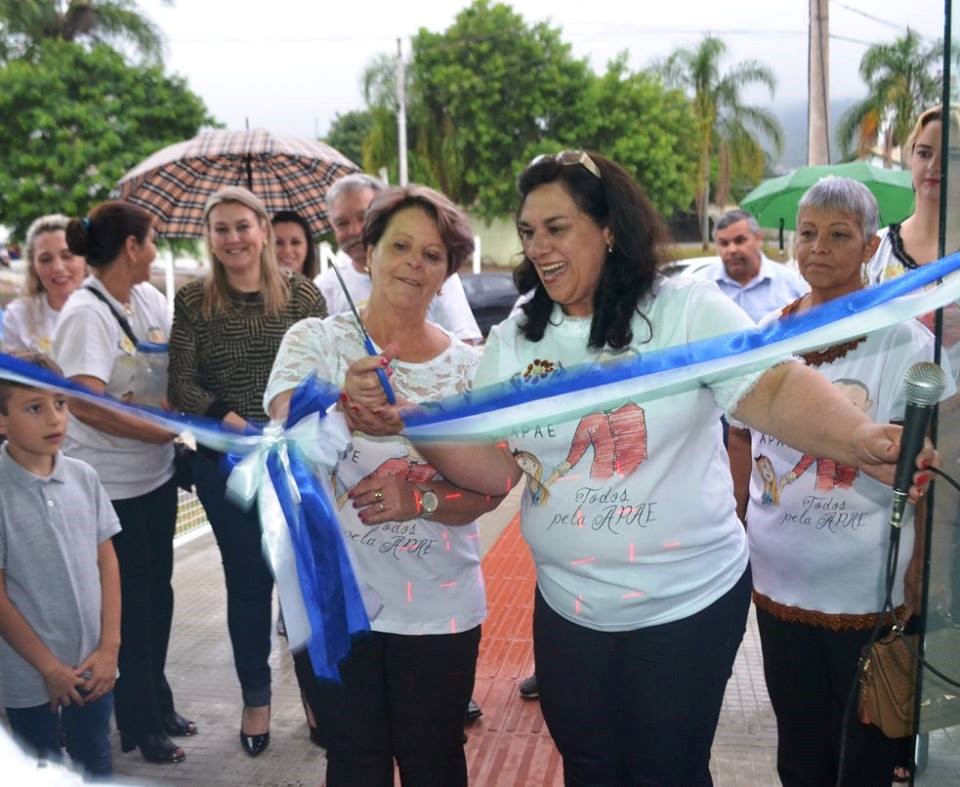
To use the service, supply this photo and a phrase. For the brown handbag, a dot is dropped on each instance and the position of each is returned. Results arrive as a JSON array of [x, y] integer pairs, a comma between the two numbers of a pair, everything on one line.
[[888, 675]]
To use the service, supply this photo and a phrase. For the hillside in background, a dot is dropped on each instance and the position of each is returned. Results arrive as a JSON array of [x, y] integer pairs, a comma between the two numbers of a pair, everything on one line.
[[793, 118]]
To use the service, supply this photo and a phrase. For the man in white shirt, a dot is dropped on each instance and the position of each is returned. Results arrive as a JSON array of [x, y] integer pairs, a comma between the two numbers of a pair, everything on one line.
[[744, 274], [348, 199]]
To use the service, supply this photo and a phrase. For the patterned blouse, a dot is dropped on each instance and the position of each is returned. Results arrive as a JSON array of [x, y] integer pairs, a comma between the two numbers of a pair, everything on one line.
[[222, 363]]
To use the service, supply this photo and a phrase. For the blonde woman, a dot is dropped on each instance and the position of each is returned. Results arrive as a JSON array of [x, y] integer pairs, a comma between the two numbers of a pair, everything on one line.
[[226, 332], [914, 242], [53, 273]]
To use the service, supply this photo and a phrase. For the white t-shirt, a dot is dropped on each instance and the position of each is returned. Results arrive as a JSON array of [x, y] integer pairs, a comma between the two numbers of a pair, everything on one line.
[[89, 341], [449, 310], [639, 526], [29, 324], [885, 264], [818, 529], [426, 574]]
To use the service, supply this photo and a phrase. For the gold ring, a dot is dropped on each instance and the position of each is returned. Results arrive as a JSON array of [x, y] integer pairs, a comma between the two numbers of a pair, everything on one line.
[[378, 495], [381, 508]]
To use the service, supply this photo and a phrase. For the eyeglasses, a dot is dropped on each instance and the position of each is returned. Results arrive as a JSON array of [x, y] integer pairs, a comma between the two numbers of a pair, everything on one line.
[[570, 158]]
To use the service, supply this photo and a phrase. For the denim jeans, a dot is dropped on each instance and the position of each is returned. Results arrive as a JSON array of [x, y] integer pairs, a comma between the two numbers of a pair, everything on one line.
[[87, 730], [249, 581]]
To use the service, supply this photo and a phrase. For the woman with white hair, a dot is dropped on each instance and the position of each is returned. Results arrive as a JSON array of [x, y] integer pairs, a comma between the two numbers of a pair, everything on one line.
[[226, 333], [53, 273], [818, 529]]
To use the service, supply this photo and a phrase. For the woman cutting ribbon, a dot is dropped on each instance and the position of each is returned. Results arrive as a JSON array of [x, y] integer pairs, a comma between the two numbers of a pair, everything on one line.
[[411, 534]]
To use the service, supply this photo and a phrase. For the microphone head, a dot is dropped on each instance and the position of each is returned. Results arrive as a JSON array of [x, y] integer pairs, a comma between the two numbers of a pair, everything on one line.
[[924, 384]]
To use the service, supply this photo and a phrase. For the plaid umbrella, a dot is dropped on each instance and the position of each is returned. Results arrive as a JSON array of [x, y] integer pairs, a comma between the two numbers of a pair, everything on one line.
[[287, 173]]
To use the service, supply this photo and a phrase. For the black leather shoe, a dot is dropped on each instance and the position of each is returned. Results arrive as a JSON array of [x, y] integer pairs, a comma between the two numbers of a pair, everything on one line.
[[254, 745], [474, 711], [154, 748], [175, 724]]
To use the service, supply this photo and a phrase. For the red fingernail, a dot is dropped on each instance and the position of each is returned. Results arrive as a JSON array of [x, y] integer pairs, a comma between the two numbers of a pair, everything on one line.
[[343, 397], [924, 464], [384, 361]]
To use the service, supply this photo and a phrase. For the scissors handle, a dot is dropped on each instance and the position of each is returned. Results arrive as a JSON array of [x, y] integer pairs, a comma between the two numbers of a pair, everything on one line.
[[384, 382]]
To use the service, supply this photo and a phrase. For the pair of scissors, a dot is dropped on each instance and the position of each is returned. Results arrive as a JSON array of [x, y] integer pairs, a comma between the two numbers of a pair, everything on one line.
[[367, 343]]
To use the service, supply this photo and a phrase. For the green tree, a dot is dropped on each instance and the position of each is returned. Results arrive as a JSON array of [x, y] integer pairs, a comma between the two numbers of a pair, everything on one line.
[[728, 131], [650, 131], [76, 119], [348, 131], [479, 95], [25, 24], [901, 83]]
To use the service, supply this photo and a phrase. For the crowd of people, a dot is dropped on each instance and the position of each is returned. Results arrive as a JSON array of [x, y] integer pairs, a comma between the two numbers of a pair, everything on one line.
[[631, 613]]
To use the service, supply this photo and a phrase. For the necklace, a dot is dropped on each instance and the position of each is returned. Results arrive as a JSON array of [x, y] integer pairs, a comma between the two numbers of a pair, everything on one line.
[[828, 354]]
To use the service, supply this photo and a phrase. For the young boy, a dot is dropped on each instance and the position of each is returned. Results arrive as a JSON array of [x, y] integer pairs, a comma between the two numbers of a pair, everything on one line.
[[59, 583]]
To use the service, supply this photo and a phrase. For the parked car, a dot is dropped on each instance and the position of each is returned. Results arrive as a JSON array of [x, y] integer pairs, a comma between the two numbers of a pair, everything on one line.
[[691, 266], [491, 297]]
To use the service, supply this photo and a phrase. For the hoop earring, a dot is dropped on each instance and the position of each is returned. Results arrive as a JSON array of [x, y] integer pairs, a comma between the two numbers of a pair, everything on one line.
[[440, 292], [610, 249]]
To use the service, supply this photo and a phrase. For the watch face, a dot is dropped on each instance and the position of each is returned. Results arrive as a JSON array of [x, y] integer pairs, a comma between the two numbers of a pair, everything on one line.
[[429, 501]]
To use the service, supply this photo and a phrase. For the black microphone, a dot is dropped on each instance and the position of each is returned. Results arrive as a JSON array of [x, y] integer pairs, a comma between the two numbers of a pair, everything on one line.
[[924, 384]]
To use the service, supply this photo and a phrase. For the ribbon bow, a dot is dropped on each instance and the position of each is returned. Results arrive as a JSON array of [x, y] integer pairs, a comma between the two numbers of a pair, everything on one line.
[[286, 475]]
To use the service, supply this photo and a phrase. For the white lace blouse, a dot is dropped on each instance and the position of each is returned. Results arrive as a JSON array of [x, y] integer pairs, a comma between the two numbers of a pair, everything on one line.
[[423, 576]]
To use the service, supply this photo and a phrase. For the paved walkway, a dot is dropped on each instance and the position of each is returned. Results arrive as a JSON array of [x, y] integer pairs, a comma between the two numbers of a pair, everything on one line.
[[508, 747]]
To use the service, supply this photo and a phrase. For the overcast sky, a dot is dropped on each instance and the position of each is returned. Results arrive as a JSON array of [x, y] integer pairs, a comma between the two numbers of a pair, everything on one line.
[[292, 65]]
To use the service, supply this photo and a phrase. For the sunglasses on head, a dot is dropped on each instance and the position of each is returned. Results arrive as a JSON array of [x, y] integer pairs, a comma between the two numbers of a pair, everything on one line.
[[570, 158]]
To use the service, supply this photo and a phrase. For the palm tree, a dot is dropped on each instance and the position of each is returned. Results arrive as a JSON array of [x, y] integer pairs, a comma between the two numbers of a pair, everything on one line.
[[24, 24], [727, 129], [900, 84]]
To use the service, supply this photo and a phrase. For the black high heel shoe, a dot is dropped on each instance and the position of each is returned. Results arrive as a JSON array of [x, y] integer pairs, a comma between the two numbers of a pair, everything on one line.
[[254, 745], [175, 724], [154, 748]]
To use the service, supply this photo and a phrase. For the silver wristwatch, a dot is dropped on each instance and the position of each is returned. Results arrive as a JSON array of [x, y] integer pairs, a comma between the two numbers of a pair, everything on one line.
[[429, 502]]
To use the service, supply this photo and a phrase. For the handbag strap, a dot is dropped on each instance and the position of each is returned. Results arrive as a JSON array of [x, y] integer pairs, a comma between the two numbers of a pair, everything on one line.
[[120, 318]]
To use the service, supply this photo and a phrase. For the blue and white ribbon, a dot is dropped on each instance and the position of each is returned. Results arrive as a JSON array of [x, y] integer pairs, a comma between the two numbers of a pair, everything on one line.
[[283, 469], [497, 410], [286, 475]]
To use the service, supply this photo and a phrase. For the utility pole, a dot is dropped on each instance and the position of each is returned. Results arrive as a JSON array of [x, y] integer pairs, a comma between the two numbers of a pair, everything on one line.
[[401, 115], [818, 84]]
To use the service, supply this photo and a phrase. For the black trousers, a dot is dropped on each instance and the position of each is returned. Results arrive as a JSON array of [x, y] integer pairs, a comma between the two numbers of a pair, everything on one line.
[[145, 554], [402, 697], [638, 707], [809, 671], [249, 581]]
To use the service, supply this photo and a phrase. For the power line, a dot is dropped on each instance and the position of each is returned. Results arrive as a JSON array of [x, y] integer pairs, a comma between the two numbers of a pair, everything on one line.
[[871, 17]]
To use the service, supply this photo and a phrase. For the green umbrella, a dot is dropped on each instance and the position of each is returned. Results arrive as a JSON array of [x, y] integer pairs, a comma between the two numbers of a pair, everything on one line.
[[774, 202]]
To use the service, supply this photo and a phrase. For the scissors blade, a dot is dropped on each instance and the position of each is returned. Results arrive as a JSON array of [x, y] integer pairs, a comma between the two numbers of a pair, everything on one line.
[[367, 343]]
